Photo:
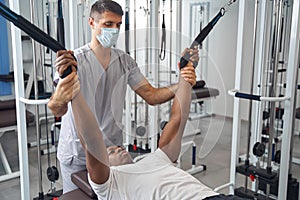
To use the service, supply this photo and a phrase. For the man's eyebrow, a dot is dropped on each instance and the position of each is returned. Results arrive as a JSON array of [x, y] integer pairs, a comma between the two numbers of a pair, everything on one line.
[[113, 22]]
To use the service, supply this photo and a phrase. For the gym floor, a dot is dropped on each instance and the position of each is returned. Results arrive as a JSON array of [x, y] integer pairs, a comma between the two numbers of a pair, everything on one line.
[[217, 160]]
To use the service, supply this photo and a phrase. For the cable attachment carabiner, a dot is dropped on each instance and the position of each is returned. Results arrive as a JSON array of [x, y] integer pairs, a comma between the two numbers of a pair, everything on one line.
[[225, 8]]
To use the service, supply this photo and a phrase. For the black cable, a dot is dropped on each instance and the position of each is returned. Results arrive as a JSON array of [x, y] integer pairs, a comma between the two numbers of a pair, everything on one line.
[[127, 27], [199, 39], [162, 53], [60, 24]]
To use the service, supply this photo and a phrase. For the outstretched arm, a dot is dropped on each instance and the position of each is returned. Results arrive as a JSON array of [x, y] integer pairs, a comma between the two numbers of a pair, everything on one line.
[[92, 140], [170, 140]]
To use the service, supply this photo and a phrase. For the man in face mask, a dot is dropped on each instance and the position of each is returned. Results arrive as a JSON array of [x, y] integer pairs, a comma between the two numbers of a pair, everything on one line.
[[104, 73]]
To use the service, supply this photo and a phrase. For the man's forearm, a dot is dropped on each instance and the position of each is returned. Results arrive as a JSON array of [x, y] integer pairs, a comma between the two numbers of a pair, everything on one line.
[[57, 108], [164, 94], [170, 141]]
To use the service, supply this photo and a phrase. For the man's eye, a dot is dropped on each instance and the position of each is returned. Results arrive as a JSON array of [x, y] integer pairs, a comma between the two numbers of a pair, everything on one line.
[[111, 152], [108, 24]]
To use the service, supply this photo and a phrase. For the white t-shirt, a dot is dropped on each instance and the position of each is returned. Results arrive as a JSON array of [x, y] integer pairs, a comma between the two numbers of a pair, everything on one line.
[[154, 177], [104, 92]]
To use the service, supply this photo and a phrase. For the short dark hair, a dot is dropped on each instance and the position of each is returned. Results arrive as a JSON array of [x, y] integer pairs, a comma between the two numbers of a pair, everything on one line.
[[101, 6]]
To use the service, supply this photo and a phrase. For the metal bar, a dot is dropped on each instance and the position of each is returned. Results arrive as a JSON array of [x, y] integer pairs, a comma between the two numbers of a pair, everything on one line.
[[9, 176], [73, 25], [153, 110], [236, 107], [20, 107], [292, 74], [236, 93], [4, 161], [38, 133]]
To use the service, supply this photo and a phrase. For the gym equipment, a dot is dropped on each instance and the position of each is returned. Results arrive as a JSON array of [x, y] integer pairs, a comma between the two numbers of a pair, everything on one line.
[[277, 183], [33, 31], [52, 171], [84, 191], [259, 149], [162, 53], [140, 131], [298, 113], [200, 94], [60, 24], [204, 33], [127, 27], [8, 122]]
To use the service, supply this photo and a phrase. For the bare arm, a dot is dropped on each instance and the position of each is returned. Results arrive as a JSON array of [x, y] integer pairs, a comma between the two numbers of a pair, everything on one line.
[[85, 122], [92, 140], [170, 141], [154, 96]]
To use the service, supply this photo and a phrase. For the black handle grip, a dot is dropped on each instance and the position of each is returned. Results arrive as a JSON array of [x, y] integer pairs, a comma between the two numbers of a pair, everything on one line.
[[33, 31], [199, 39], [247, 96]]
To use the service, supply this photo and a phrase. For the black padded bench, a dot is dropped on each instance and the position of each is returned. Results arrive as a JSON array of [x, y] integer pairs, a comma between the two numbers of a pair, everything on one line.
[[84, 191], [8, 114], [202, 92]]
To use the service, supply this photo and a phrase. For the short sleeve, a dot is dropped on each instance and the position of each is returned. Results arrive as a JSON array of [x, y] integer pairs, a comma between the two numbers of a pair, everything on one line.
[[135, 75], [102, 190]]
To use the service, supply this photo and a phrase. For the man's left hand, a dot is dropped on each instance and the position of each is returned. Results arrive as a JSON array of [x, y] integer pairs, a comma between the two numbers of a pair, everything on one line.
[[189, 74]]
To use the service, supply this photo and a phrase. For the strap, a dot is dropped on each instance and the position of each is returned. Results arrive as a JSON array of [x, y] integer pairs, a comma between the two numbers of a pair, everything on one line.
[[162, 53]]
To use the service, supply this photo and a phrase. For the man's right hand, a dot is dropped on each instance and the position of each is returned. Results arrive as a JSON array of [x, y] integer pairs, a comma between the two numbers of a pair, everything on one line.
[[64, 59], [68, 87]]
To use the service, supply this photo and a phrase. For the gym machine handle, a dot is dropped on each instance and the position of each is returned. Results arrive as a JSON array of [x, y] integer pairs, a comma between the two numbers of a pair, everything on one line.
[[238, 94], [247, 96], [204, 33], [34, 32], [199, 39]]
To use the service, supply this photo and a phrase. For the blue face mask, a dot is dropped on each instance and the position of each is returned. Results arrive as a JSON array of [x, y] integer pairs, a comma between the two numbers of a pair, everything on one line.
[[108, 37]]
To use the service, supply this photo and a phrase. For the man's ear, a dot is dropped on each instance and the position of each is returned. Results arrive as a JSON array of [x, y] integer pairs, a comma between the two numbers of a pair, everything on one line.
[[92, 22]]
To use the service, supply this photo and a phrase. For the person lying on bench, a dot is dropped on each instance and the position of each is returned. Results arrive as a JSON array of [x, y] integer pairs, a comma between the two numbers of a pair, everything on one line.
[[112, 173]]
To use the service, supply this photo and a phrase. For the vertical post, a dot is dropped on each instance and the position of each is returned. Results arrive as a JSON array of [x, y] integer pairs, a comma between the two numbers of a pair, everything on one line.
[[37, 124], [153, 122], [259, 67], [236, 109], [257, 128], [128, 92], [289, 116], [20, 107], [73, 25], [178, 27]]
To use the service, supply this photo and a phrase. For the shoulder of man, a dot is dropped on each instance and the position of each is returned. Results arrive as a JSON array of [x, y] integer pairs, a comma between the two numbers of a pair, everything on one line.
[[125, 58], [82, 50]]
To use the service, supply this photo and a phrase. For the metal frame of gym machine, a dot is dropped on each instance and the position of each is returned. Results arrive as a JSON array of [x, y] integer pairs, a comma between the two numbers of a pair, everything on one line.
[[21, 102], [288, 100]]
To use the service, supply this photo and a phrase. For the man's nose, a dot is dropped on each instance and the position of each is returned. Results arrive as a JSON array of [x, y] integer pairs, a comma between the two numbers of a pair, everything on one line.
[[119, 149]]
